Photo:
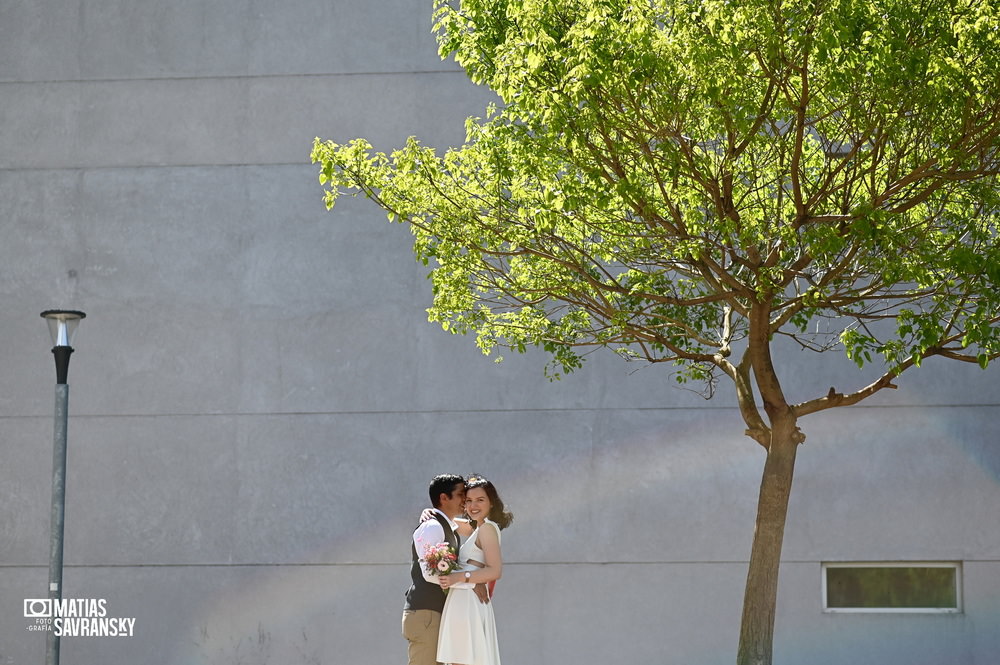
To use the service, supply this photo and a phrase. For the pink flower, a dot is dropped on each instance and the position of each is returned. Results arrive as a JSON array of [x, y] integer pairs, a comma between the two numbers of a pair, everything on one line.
[[440, 558]]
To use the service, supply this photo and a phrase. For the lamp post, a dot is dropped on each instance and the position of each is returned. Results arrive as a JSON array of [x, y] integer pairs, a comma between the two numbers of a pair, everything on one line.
[[62, 325]]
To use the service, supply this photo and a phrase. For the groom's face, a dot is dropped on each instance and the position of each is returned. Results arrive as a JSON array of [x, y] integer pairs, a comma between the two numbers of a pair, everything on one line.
[[454, 505]]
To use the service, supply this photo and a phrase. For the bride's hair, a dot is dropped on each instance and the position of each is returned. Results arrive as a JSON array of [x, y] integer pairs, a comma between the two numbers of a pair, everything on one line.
[[498, 513]]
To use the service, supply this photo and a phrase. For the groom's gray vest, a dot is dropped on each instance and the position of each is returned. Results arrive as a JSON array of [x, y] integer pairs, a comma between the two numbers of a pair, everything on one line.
[[422, 595]]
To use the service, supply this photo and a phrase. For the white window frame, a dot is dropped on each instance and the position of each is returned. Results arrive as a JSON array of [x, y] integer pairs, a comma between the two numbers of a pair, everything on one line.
[[956, 565]]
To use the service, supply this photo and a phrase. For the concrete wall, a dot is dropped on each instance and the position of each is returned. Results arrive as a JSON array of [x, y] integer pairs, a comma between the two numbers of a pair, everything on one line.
[[257, 401]]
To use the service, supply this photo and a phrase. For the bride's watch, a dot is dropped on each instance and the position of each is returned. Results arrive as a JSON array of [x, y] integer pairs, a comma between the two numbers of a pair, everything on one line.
[[468, 575]]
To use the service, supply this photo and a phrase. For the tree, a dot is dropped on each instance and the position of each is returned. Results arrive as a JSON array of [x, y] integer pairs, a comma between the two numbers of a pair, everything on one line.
[[688, 181]]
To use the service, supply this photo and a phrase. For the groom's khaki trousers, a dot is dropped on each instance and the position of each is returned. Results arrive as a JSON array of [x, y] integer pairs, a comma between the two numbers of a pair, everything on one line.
[[420, 628]]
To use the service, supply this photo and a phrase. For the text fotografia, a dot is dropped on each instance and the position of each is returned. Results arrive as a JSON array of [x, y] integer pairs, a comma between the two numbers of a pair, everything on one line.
[[76, 617]]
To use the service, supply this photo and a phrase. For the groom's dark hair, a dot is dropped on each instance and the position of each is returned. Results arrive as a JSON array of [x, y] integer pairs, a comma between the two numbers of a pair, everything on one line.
[[443, 484]]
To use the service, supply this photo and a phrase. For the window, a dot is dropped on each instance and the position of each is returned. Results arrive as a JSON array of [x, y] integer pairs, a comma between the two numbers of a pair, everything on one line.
[[891, 587]]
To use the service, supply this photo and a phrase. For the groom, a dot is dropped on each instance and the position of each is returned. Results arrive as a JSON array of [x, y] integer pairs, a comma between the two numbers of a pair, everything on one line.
[[425, 598]]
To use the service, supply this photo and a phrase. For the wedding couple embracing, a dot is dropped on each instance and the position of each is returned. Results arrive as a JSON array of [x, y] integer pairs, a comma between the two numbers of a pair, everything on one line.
[[448, 615]]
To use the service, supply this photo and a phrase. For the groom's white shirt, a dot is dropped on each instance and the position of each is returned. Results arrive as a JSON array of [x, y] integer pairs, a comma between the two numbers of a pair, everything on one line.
[[430, 533]]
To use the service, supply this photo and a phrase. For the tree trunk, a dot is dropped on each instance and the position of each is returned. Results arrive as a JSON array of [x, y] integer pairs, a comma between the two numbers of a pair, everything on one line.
[[761, 595]]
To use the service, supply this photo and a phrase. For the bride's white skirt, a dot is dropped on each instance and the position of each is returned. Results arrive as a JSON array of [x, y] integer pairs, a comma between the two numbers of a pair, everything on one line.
[[468, 630]]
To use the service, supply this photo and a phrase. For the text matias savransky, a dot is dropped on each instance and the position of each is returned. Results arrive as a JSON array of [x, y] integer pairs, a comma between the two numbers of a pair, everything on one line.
[[77, 617]]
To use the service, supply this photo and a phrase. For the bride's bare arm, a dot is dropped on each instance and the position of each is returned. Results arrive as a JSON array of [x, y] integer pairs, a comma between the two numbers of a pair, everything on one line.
[[489, 542]]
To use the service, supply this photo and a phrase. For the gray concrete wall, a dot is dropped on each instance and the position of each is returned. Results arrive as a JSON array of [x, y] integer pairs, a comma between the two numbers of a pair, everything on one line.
[[257, 401]]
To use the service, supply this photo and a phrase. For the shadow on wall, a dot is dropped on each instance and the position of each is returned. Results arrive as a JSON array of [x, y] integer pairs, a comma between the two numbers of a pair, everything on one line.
[[610, 474]]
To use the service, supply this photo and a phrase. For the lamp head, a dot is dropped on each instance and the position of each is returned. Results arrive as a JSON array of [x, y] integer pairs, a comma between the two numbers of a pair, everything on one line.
[[62, 324]]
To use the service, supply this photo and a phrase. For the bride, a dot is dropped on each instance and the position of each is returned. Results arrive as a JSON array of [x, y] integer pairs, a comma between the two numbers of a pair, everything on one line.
[[468, 633]]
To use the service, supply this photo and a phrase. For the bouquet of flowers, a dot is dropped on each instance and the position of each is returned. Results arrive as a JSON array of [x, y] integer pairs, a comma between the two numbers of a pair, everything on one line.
[[440, 559]]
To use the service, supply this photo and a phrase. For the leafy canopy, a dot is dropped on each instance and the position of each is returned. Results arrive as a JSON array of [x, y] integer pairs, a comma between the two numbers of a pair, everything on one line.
[[669, 177]]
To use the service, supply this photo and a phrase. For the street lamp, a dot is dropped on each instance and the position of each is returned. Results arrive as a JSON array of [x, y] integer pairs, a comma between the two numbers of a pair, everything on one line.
[[62, 325]]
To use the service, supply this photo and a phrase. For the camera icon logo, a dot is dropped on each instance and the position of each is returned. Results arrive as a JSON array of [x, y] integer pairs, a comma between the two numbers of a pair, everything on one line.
[[38, 608]]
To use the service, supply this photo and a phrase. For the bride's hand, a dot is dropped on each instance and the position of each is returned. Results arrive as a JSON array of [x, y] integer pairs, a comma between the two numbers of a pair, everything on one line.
[[444, 581], [428, 514]]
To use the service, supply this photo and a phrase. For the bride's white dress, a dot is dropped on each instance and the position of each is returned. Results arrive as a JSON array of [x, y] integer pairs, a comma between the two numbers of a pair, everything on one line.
[[468, 631]]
